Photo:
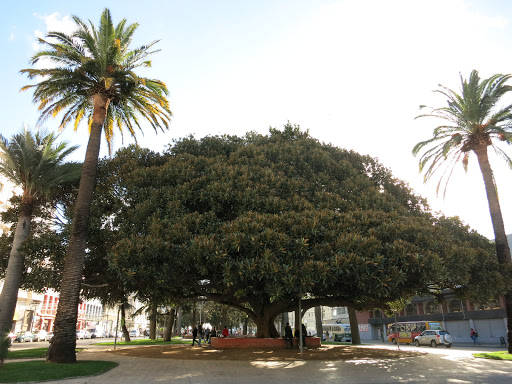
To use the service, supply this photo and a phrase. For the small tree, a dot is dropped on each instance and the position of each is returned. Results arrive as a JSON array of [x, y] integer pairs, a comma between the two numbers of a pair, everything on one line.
[[35, 163]]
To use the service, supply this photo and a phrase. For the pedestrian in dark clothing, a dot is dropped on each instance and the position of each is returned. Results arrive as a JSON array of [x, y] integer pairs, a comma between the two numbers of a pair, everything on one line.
[[304, 332], [200, 331], [194, 336], [213, 334], [288, 336], [207, 335]]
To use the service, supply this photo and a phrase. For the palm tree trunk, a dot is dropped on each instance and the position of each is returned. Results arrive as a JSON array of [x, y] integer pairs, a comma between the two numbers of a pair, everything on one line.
[[62, 347], [502, 246], [14, 271]]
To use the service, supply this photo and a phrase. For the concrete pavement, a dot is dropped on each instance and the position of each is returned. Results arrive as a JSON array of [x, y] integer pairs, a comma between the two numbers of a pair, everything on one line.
[[434, 365]]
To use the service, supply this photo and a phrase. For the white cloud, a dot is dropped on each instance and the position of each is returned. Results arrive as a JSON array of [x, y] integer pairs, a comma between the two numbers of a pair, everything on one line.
[[56, 22]]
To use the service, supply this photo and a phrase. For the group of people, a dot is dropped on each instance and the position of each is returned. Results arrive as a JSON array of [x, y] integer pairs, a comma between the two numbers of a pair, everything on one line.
[[288, 336], [200, 333]]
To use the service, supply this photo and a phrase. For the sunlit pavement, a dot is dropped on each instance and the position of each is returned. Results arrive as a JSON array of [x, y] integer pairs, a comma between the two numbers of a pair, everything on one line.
[[432, 365]]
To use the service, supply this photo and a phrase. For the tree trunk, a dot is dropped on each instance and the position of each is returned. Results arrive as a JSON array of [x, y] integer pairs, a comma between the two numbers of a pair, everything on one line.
[[14, 271], [152, 322], [502, 246], [62, 347], [194, 316], [318, 321], [170, 323], [354, 326], [265, 326], [126, 334]]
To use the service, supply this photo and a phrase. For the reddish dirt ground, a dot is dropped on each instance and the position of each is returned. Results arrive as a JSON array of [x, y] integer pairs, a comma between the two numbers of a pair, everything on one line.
[[325, 353]]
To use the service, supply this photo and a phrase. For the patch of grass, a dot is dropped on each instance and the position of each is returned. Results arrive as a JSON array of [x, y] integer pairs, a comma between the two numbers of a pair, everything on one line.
[[41, 370], [500, 355], [148, 342], [31, 353]]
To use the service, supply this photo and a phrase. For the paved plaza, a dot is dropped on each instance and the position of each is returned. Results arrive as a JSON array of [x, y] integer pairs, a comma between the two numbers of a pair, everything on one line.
[[423, 365]]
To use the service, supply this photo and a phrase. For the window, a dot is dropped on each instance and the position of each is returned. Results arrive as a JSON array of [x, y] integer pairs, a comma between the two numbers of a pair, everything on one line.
[[410, 310], [456, 306], [432, 308]]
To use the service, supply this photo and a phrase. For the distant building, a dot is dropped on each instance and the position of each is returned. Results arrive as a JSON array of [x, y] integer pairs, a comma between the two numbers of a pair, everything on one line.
[[457, 317]]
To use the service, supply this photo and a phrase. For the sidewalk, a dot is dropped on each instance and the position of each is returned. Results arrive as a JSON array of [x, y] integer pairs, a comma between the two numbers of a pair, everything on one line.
[[460, 367], [468, 345]]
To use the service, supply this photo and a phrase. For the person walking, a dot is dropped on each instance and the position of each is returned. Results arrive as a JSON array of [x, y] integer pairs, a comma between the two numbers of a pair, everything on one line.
[[207, 335], [194, 336], [288, 336], [474, 335], [225, 331], [200, 331]]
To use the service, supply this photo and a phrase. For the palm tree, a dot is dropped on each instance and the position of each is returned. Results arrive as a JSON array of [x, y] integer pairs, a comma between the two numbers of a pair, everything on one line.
[[474, 124], [35, 163], [93, 75]]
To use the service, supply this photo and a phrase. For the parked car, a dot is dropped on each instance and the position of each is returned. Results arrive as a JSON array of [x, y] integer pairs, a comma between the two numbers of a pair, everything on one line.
[[81, 334], [433, 338], [41, 335], [24, 336], [49, 337], [12, 336], [134, 333]]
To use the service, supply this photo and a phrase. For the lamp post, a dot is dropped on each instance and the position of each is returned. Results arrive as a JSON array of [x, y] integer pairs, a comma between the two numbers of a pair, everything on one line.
[[117, 327], [300, 325]]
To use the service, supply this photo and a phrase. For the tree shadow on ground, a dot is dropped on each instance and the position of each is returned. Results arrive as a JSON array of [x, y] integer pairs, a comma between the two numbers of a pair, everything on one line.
[[325, 353]]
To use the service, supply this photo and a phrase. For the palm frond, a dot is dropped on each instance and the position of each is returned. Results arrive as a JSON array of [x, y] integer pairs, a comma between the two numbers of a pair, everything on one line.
[[98, 60], [474, 120]]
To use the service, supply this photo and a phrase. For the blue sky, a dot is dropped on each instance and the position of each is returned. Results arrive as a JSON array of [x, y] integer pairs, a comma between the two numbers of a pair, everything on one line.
[[352, 72]]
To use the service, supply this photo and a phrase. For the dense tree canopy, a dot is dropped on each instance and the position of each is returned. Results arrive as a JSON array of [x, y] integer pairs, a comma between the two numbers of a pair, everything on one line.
[[256, 222]]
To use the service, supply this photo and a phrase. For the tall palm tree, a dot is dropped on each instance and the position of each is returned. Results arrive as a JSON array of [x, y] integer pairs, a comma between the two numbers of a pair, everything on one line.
[[474, 124], [93, 75], [35, 163]]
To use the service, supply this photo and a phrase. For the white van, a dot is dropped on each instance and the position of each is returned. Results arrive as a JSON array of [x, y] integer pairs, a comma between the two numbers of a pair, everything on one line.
[[134, 333]]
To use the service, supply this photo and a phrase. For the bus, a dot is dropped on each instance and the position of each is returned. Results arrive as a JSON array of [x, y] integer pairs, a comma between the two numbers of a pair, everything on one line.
[[408, 330], [338, 332]]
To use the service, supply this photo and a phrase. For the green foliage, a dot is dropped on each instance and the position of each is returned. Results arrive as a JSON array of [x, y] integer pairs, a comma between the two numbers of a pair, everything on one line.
[[44, 249], [471, 120], [500, 355], [31, 353], [35, 162], [98, 61], [253, 222], [32, 371]]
